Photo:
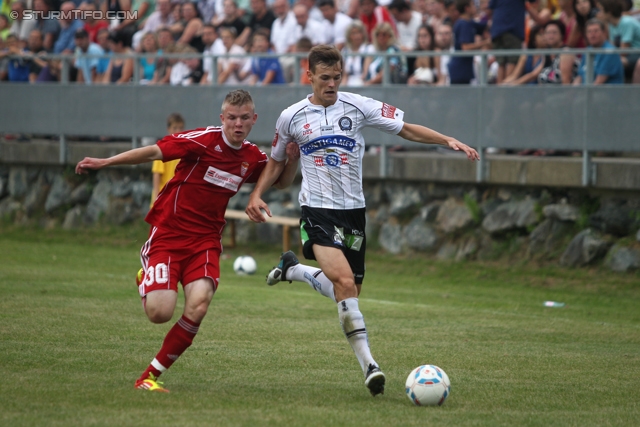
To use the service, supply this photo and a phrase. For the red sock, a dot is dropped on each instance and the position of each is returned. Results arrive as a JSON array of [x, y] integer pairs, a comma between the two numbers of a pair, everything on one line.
[[178, 339]]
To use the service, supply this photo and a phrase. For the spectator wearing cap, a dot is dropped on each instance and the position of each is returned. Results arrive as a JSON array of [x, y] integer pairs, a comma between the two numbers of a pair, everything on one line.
[[68, 27], [607, 67], [21, 27], [87, 67], [407, 22], [372, 14], [335, 22], [624, 32]]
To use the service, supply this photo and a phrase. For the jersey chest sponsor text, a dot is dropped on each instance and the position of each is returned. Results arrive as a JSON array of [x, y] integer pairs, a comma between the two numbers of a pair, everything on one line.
[[332, 141], [222, 179]]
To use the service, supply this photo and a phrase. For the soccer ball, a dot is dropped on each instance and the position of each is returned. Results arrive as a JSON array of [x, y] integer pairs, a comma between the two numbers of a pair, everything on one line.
[[244, 265], [428, 385]]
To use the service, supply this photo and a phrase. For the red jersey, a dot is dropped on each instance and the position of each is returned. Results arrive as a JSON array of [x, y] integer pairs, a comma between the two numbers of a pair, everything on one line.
[[209, 173]]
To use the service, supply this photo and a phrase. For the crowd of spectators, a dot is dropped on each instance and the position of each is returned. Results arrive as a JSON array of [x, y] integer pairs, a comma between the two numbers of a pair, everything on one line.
[[371, 32]]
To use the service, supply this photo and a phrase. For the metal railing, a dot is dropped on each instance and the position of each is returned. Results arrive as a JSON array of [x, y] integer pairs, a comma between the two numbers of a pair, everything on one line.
[[484, 56], [577, 100]]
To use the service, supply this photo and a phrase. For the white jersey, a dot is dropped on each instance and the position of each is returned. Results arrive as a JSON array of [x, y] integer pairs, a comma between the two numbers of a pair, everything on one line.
[[332, 146]]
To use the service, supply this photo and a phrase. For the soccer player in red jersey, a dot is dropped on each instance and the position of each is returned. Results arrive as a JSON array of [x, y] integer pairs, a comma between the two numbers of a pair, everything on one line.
[[187, 219]]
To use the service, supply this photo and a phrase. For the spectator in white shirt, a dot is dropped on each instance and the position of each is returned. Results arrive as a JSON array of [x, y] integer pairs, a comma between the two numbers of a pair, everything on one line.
[[282, 28], [407, 22], [335, 22], [307, 27], [212, 46], [229, 68], [314, 12], [357, 45], [21, 27]]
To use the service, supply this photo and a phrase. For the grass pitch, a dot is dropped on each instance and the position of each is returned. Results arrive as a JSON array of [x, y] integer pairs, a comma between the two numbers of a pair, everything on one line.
[[73, 339]]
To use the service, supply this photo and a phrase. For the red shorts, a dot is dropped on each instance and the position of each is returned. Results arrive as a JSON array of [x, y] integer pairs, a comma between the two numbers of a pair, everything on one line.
[[169, 257]]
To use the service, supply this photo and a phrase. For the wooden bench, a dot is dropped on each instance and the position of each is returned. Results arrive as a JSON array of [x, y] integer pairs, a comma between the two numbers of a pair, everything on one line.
[[287, 222]]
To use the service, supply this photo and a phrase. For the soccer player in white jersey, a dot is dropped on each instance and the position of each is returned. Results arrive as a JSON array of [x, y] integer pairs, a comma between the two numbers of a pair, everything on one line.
[[327, 127]]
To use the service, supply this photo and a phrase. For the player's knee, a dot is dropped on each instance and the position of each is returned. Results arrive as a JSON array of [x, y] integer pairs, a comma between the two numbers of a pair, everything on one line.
[[198, 310], [345, 283], [159, 314]]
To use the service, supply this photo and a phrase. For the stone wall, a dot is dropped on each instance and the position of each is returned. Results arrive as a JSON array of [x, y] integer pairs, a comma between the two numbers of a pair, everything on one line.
[[574, 227]]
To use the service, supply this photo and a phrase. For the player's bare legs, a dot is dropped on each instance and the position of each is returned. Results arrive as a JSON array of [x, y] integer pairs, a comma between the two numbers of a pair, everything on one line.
[[337, 269], [159, 305], [335, 266], [198, 295]]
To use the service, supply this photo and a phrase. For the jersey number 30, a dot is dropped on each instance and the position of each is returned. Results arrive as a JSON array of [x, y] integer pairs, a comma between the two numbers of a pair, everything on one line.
[[159, 273]]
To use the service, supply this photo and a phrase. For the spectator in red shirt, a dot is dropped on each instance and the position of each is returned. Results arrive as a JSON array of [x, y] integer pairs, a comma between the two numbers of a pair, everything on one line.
[[187, 220], [371, 15], [91, 25]]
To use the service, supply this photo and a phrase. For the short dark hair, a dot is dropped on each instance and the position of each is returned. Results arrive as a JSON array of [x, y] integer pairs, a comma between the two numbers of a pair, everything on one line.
[[261, 32], [329, 3], [238, 98], [118, 37], [399, 5], [304, 44], [81, 34], [461, 5], [559, 24], [175, 119], [533, 32], [614, 7], [324, 54]]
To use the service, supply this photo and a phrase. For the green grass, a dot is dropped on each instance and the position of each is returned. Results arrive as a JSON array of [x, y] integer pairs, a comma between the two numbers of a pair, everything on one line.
[[73, 338]]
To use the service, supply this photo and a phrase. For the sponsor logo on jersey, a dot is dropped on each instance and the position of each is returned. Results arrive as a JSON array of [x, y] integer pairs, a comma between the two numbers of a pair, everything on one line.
[[388, 111], [243, 168], [323, 142], [345, 123], [331, 160], [275, 140], [307, 126], [222, 179], [218, 149], [307, 130]]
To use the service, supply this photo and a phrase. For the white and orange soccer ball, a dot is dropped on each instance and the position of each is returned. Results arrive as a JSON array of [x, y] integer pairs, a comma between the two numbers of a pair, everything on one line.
[[244, 265], [428, 385]]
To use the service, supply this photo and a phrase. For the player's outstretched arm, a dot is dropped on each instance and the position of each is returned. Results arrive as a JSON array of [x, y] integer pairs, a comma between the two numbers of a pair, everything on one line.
[[291, 168], [269, 175], [131, 157], [422, 134]]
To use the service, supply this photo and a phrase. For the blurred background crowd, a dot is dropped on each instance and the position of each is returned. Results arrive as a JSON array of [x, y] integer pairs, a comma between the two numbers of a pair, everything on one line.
[[402, 31]]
